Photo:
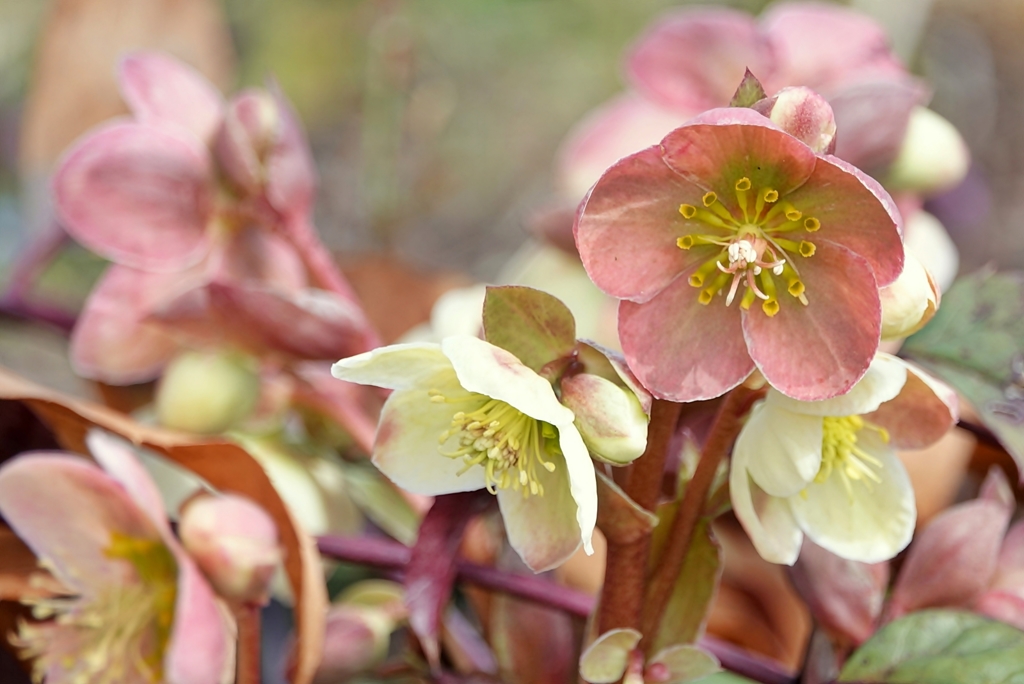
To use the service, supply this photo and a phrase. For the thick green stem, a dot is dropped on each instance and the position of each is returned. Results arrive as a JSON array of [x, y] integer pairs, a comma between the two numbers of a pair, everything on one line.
[[726, 426], [622, 594]]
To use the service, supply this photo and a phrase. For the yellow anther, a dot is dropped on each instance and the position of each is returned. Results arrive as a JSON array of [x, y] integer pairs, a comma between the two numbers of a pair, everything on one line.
[[794, 214], [770, 307], [807, 248], [709, 199], [795, 287], [811, 224], [685, 242], [698, 277], [770, 195], [687, 210], [743, 184], [706, 296]]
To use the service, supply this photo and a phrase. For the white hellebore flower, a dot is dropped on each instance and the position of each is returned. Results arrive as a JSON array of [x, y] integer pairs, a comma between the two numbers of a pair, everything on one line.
[[500, 427], [828, 469]]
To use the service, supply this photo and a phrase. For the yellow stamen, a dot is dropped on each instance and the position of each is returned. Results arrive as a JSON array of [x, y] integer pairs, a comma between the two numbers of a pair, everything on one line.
[[743, 184], [770, 306], [807, 248], [795, 287], [811, 224], [687, 210], [709, 198]]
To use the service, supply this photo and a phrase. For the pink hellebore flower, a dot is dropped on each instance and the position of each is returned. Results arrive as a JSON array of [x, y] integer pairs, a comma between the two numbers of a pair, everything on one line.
[[138, 610], [733, 245], [828, 469], [692, 59], [498, 425]]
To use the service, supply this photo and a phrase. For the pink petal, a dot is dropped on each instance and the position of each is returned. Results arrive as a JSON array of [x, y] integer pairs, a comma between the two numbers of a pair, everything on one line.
[[871, 119], [820, 350], [248, 132], [620, 127], [627, 227], [953, 559], [119, 460], [197, 651], [256, 254], [162, 90], [683, 350], [924, 411], [291, 174], [1010, 568], [854, 212], [137, 195], [113, 342], [65, 509], [818, 45], [695, 59], [720, 146], [1003, 606]]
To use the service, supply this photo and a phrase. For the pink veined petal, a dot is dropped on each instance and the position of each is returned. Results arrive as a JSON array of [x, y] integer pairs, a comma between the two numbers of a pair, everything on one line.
[[113, 341], [818, 45], [542, 529], [683, 350], [291, 173], [614, 130], [820, 350], [872, 118], [137, 195], [720, 146], [197, 650], [627, 227], [65, 508], [923, 411], [257, 254], [696, 58], [119, 460], [855, 212], [162, 90]]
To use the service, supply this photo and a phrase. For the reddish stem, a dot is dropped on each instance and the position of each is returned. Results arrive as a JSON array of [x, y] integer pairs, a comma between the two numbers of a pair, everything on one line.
[[723, 431], [249, 644], [622, 593]]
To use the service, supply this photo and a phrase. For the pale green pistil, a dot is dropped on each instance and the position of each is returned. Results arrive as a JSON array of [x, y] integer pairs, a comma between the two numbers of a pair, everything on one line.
[[506, 443]]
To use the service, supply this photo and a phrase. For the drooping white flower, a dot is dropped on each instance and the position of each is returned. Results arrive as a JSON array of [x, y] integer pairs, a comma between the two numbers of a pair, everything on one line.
[[828, 469], [499, 426]]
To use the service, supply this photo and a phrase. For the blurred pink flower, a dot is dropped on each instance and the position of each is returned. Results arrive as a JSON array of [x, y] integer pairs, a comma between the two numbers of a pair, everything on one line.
[[727, 211], [138, 609]]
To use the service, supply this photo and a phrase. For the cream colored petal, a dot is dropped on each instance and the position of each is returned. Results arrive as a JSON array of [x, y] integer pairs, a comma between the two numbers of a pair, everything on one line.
[[766, 519], [399, 366], [910, 302], [407, 450], [582, 482], [489, 370], [610, 418], [781, 449], [864, 524], [883, 381]]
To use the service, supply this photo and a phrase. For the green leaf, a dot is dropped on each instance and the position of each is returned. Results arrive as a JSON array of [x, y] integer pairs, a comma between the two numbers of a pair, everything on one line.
[[749, 92], [684, 663], [606, 659], [535, 326], [940, 647], [976, 344]]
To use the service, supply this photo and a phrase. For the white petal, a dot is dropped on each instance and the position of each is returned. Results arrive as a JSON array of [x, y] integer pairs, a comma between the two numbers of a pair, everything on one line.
[[484, 368], [399, 366], [766, 519], [883, 381], [909, 302], [582, 482], [928, 240], [406, 448], [543, 529], [781, 449], [870, 526]]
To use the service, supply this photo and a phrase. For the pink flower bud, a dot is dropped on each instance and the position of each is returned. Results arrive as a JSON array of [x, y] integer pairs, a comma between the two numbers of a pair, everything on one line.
[[247, 137], [356, 639], [234, 542], [805, 115]]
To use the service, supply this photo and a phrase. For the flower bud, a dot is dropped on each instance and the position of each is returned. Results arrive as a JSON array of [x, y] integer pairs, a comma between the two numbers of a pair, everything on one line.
[[250, 130], [927, 238], [355, 640], [909, 302], [805, 115], [234, 542], [609, 417], [933, 156], [206, 392]]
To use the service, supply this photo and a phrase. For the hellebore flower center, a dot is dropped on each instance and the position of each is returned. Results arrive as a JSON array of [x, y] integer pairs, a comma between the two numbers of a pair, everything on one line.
[[505, 442], [124, 629], [753, 250], [840, 453]]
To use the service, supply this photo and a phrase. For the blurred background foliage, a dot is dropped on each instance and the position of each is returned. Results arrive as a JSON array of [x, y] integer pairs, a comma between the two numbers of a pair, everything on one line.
[[435, 124]]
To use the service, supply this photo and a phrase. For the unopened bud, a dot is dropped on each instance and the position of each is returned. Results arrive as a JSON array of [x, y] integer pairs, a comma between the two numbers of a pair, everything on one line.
[[206, 392], [609, 417], [355, 640], [933, 156], [234, 542], [251, 128], [805, 115], [910, 301]]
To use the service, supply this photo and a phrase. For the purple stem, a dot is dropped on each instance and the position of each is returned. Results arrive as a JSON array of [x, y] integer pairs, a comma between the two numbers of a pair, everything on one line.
[[37, 312], [391, 555]]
